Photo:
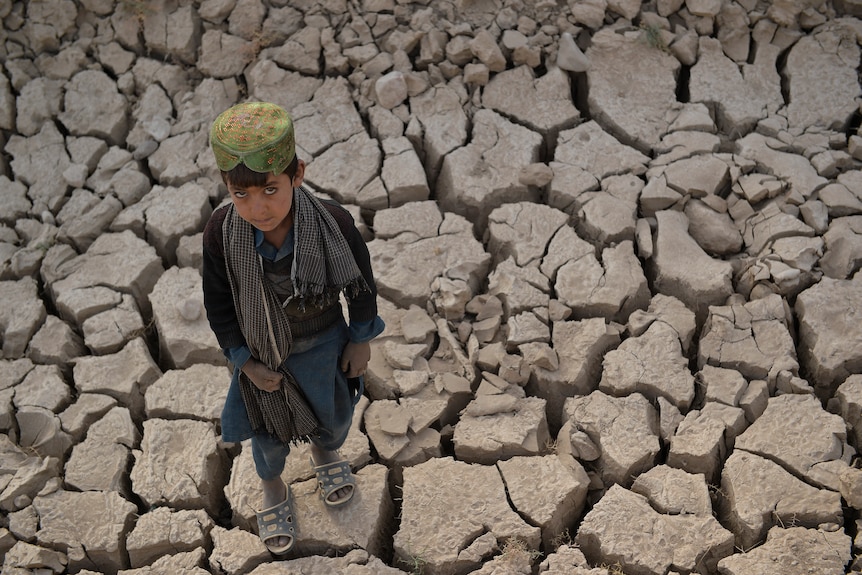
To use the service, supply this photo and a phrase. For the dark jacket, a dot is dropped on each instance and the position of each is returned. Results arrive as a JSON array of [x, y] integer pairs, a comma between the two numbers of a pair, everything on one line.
[[217, 295]]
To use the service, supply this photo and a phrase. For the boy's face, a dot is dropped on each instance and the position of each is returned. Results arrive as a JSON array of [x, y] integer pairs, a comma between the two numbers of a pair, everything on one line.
[[267, 207]]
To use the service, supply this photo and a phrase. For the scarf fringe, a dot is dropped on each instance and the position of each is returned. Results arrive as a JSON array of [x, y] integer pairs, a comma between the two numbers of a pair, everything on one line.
[[317, 295]]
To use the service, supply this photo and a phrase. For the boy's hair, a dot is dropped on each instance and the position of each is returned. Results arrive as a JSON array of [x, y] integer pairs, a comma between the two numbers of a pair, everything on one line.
[[244, 177]]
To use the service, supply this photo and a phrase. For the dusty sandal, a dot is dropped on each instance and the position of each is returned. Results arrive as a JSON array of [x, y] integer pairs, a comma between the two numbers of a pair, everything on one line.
[[275, 522], [333, 476]]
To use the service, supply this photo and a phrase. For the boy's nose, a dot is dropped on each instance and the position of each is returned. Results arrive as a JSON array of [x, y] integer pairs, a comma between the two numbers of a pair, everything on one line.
[[258, 207]]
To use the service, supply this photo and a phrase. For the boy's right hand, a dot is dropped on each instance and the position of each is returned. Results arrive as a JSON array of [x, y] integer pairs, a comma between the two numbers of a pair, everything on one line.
[[261, 376]]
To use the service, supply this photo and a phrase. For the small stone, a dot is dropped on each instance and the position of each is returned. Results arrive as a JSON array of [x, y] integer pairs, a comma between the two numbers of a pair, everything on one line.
[[569, 55], [190, 309], [538, 175], [391, 89]]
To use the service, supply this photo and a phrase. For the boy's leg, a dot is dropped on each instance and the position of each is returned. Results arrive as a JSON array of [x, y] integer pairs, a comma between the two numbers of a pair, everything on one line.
[[324, 448], [269, 455], [314, 363], [322, 457]]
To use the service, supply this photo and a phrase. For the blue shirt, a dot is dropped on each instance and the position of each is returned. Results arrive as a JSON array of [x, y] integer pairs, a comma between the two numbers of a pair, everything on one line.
[[358, 331]]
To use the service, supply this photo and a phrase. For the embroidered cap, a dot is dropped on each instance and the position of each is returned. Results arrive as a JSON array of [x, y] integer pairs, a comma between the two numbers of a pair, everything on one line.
[[257, 134]]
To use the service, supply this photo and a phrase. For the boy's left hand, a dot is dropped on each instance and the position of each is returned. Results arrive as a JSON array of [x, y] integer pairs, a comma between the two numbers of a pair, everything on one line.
[[354, 358]]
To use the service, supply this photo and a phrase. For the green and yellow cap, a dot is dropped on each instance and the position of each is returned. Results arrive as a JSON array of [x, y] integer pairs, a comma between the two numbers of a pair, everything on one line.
[[257, 134]]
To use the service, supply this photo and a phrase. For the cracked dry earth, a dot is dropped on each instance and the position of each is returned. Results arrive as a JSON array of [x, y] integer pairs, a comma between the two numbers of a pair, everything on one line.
[[617, 246]]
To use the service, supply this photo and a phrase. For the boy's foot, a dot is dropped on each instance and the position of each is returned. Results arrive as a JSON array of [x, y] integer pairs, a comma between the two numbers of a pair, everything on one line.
[[275, 522], [334, 478]]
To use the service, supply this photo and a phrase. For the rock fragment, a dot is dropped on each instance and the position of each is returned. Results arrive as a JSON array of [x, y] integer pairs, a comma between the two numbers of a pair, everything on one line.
[[484, 174], [827, 322], [329, 118], [44, 386], [769, 225], [124, 375], [41, 430], [21, 315], [163, 531], [25, 558], [357, 562], [236, 551], [752, 338], [674, 492], [488, 434], [523, 231], [87, 409], [224, 55], [345, 167], [742, 95], [589, 147], [569, 55], [428, 501], [402, 173], [179, 464], [637, 538], [826, 55], [120, 262], [546, 106], [580, 346], [55, 343], [651, 364], [786, 548], [92, 106], [843, 239], [698, 176], [848, 398], [166, 214], [266, 81], [664, 309], [185, 337], [613, 288], [796, 170], [758, 494], [609, 217], [185, 563], [682, 269], [110, 330], [619, 66], [545, 491], [440, 115], [700, 443], [197, 392], [406, 273], [23, 476], [89, 525], [815, 436], [101, 461], [624, 429]]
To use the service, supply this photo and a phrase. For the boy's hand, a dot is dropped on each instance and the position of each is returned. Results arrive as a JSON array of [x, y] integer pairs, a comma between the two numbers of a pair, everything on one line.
[[261, 376], [354, 358]]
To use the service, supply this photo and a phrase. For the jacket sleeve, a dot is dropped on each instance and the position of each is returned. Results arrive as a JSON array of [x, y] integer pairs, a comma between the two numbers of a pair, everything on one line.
[[218, 299]]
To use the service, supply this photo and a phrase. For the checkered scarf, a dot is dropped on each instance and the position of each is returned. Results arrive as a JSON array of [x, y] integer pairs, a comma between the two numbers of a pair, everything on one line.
[[323, 265]]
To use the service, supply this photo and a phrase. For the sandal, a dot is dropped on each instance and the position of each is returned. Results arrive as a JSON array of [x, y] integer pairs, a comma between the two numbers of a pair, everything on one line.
[[277, 521], [333, 476]]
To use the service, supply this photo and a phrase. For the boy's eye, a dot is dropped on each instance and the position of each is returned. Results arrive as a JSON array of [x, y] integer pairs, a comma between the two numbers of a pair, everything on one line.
[[270, 190], [239, 194]]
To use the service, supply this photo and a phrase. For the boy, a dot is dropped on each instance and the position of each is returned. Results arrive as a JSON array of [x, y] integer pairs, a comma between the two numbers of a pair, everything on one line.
[[275, 261]]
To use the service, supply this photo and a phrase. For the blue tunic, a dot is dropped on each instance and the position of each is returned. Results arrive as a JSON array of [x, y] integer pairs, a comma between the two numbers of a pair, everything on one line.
[[315, 363]]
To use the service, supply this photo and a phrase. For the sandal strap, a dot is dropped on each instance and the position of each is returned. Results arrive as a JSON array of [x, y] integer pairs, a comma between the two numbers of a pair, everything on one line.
[[277, 521], [334, 475]]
